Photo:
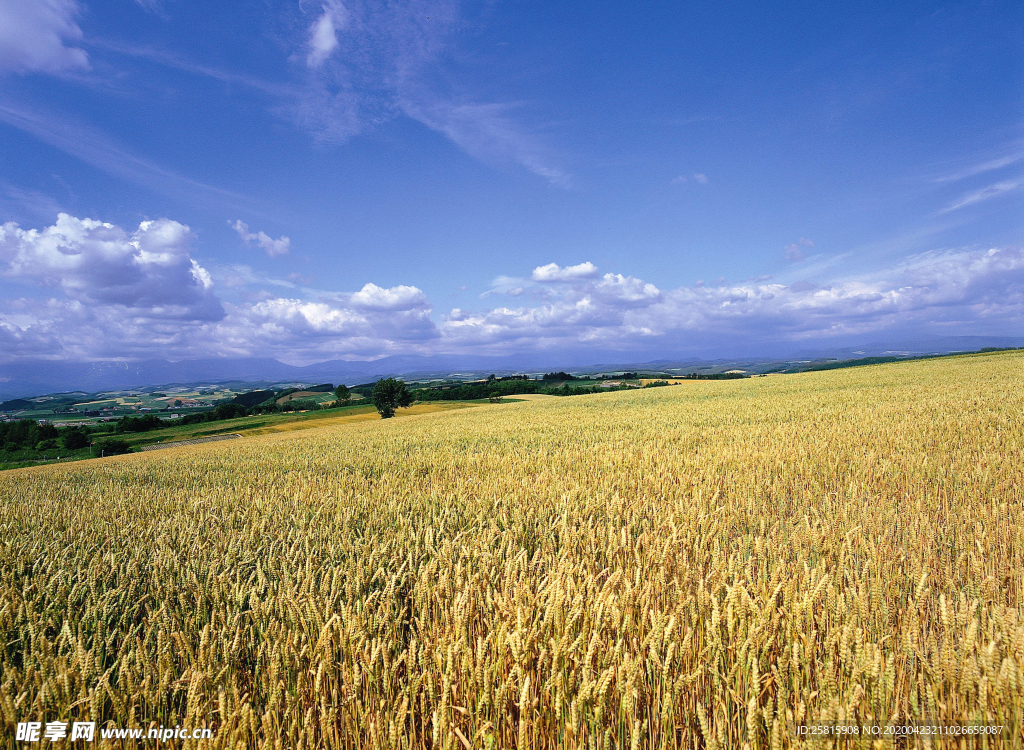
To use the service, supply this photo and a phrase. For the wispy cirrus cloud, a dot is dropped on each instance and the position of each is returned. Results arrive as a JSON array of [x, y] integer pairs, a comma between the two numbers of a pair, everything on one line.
[[360, 64], [152, 6], [19, 200], [100, 151], [184, 64], [486, 132], [1014, 155], [369, 62], [983, 194]]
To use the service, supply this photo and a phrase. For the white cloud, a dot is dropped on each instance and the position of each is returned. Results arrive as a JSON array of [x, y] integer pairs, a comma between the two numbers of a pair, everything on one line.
[[291, 321], [272, 247], [138, 293], [373, 297], [954, 291], [201, 275], [581, 308], [300, 316], [33, 36], [147, 271], [554, 272], [323, 33], [619, 290], [100, 291]]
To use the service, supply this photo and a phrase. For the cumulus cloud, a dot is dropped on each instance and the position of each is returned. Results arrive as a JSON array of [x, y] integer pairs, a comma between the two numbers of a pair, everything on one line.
[[120, 293], [373, 297], [147, 271], [297, 316], [616, 289], [101, 291], [582, 308], [554, 272], [330, 326], [943, 291], [34, 36], [272, 247]]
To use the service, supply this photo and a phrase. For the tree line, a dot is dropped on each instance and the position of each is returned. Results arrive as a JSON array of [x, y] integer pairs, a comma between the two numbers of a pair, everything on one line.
[[28, 434]]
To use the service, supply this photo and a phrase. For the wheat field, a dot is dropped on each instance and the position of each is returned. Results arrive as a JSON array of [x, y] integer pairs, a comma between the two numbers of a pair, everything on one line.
[[709, 565]]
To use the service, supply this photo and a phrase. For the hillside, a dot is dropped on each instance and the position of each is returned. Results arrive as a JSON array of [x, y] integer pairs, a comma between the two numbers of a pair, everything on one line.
[[707, 565]]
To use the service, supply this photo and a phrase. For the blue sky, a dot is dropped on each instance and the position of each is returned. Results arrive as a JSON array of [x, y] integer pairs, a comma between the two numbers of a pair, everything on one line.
[[331, 179]]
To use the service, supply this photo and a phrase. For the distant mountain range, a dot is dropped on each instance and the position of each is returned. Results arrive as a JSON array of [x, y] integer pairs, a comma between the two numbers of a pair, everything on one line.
[[33, 378]]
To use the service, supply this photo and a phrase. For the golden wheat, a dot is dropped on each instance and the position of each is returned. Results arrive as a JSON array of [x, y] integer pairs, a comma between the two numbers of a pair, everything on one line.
[[709, 565]]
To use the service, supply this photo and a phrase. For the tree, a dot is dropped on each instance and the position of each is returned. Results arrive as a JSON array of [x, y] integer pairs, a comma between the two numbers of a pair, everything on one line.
[[74, 439], [341, 393], [229, 410], [139, 424], [390, 394], [114, 447], [252, 398]]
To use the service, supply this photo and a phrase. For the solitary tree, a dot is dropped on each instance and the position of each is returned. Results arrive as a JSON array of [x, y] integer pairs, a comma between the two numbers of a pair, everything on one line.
[[390, 394], [342, 395], [74, 439]]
